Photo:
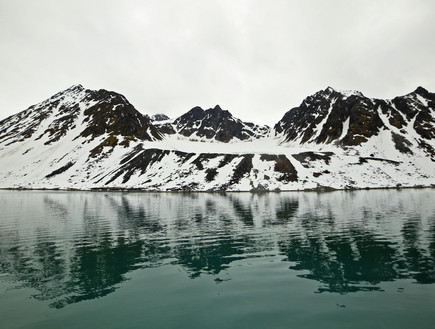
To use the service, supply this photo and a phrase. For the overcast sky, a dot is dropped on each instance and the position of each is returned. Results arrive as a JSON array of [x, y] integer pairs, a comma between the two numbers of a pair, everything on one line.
[[256, 59]]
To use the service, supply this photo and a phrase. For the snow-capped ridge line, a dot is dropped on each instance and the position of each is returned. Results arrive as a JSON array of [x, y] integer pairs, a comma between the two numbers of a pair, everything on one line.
[[95, 139], [214, 124]]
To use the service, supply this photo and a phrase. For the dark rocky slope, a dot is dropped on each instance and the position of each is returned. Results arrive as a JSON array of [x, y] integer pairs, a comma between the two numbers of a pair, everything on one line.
[[351, 119], [93, 112], [213, 124]]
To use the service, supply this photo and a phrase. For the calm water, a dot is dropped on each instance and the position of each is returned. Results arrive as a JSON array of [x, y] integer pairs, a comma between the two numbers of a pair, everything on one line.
[[362, 259]]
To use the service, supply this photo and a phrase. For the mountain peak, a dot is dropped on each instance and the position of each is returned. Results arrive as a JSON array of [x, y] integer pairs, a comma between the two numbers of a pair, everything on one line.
[[212, 124], [75, 88], [346, 93], [195, 113], [421, 91], [102, 112]]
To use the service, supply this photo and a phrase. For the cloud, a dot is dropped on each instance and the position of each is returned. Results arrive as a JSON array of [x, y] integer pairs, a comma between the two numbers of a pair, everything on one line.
[[255, 58]]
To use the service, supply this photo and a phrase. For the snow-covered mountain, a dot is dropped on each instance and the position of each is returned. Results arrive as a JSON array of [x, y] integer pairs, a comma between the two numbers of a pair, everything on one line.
[[350, 119], [84, 139], [78, 112], [213, 124]]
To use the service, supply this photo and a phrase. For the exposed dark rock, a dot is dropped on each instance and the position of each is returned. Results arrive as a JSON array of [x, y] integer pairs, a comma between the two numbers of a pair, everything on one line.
[[424, 124], [60, 170], [320, 118], [365, 160], [306, 157], [214, 123], [105, 113], [166, 129], [282, 165], [159, 117], [132, 154], [110, 141], [211, 174], [243, 168], [138, 160], [401, 143], [427, 148], [16, 129], [318, 174], [113, 114], [204, 157], [60, 126], [227, 159]]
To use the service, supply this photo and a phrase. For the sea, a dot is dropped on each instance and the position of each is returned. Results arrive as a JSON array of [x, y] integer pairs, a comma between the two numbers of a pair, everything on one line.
[[338, 259]]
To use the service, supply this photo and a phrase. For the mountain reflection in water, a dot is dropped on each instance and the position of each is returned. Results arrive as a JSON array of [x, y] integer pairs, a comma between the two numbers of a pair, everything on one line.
[[75, 246]]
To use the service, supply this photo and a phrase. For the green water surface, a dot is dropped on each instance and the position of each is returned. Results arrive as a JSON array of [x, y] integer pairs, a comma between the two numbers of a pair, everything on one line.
[[361, 259]]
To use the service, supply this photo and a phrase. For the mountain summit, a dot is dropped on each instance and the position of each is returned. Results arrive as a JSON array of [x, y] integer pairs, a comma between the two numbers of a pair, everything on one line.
[[213, 124], [79, 112]]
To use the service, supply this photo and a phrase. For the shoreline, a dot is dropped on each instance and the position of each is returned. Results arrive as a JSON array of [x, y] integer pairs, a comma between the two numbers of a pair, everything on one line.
[[254, 191]]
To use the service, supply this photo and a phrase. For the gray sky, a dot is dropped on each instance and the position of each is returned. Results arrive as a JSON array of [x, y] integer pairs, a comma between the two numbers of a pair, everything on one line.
[[256, 58]]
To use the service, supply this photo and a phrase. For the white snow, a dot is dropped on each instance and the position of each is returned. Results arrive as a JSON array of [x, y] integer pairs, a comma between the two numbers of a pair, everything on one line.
[[348, 93], [325, 119], [345, 129], [422, 100], [27, 162]]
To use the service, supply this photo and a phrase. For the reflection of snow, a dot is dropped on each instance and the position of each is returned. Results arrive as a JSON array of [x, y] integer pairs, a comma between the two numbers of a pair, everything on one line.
[[74, 246]]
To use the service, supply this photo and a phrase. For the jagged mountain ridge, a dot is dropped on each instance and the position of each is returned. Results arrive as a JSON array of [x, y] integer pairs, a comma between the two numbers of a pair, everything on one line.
[[212, 124], [351, 119], [83, 139]]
